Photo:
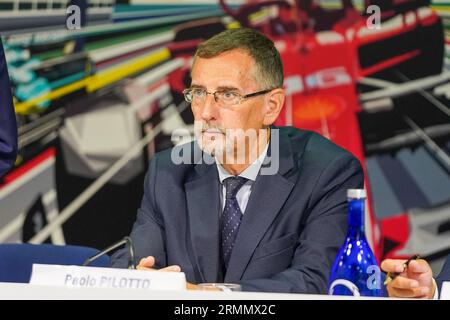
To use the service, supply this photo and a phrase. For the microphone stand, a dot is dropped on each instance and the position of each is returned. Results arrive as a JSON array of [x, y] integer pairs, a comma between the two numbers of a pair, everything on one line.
[[127, 241]]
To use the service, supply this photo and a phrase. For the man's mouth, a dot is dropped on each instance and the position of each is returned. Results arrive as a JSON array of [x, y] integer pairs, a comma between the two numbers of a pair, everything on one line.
[[211, 134], [212, 131]]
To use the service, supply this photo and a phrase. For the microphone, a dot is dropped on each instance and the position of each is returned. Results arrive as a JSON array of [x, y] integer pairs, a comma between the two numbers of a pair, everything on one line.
[[127, 241]]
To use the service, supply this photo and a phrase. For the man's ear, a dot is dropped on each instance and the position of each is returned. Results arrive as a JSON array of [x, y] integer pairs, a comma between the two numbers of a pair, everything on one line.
[[274, 103]]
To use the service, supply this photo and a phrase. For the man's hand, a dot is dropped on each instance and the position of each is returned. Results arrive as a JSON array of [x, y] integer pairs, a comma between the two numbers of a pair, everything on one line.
[[149, 262], [191, 286], [415, 282]]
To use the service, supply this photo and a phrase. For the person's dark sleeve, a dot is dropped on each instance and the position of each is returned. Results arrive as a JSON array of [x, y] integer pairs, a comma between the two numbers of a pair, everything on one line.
[[148, 230], [323, 234], [8, 125], [444, 275]]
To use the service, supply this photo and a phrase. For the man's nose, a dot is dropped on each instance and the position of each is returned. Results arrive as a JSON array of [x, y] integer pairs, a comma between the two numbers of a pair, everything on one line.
[[209, 110]]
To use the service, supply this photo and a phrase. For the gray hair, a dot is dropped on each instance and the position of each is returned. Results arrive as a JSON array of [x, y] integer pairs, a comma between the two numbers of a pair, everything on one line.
[[269, 67]]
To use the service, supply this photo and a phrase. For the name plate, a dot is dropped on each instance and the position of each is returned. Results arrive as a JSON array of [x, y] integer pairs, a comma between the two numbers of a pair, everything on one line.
[[445, 291], [92, 277]]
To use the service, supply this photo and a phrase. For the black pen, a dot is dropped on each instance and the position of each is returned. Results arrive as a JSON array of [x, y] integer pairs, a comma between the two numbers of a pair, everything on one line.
[[392, 275]]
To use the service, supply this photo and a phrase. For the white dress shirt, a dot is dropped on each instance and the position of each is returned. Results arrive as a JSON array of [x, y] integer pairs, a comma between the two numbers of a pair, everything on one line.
[[436, 292], [250, 173]]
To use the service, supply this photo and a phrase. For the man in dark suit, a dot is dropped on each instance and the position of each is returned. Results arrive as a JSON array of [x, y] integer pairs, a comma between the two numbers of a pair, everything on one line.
[[415, 281], [444, 275], [8, 126], [269, 214]]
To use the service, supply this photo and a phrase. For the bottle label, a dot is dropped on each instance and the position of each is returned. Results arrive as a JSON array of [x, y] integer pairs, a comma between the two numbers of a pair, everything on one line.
[[348, 284]]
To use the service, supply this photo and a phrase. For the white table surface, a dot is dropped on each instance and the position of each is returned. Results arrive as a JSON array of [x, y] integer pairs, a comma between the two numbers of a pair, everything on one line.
[[24, 291]]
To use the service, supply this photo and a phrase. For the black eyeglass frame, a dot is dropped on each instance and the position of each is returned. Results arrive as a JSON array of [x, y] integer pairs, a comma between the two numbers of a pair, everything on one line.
[[250, 95]]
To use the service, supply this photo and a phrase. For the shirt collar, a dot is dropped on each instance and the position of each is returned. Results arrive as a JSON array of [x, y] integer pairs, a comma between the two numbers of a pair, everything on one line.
[[250, 173]]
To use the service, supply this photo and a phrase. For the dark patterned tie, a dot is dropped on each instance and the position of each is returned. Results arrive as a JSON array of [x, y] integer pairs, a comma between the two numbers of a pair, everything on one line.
[[231, 216]]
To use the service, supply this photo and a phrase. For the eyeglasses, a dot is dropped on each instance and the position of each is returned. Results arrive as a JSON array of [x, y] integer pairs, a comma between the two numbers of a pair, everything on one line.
[[225, 98]]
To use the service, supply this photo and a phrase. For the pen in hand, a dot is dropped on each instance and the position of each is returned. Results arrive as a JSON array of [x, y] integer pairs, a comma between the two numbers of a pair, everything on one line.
[[392, 275]]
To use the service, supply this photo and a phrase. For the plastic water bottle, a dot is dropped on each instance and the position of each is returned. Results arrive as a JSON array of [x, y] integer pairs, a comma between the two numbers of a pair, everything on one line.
[[355, 270]]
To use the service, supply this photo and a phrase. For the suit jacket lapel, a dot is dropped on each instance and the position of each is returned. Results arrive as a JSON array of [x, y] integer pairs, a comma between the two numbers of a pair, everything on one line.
[[203, 203], [268, 195]]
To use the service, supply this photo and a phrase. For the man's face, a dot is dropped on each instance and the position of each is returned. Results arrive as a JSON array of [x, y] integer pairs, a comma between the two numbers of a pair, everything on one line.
[[233, 70]]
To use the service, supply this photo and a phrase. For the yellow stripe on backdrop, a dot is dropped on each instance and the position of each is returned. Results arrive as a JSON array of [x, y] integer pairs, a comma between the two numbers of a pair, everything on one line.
[[29, 106], [96, 81], [114, 74]]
